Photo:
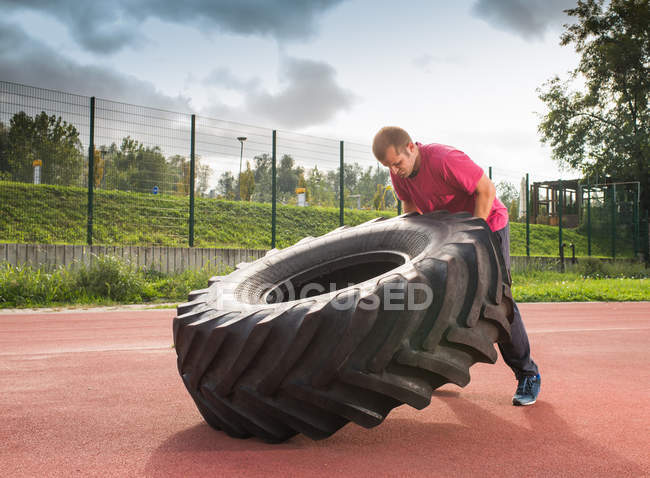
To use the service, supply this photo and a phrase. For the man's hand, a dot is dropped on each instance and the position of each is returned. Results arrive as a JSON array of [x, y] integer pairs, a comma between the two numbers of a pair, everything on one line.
[[485, 194]]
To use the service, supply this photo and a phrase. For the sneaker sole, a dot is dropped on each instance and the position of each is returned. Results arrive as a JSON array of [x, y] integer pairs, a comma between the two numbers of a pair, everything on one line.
[[519, 404]]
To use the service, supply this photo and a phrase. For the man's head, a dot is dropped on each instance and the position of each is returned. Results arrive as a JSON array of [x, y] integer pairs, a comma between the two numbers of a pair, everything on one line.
[[394, 149]]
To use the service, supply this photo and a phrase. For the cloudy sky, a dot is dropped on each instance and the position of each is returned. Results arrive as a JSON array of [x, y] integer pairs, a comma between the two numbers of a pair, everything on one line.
[[462, 73]]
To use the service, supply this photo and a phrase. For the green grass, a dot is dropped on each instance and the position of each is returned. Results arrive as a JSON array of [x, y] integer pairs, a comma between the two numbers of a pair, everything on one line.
[[574, 288], [589, 280], [57, 215]]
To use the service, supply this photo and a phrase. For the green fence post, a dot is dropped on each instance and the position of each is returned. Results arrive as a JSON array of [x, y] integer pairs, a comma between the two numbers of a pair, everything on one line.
[[527, 216], [490, 172], [192, 172], [613, 199], [399, 207], [646, 238], [559, 218], [637, 225], [91, 173], [341, 186], [588, 218], [274, 198]]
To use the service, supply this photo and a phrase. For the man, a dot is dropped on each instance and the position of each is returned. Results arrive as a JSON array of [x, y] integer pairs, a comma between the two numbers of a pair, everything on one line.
[[438, 177]]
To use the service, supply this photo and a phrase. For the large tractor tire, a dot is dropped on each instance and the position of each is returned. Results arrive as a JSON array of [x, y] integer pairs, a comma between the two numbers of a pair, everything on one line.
[[344, 327]]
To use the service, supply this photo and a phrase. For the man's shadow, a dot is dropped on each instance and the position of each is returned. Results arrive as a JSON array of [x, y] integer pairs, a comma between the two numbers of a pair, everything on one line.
[[480, 444]]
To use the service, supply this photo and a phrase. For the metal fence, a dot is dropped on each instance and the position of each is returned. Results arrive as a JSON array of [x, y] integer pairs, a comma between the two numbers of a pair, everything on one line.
[[611, 215], [85, 170]]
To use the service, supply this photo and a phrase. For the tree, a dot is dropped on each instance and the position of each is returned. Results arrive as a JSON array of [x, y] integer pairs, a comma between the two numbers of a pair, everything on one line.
[[377, 198], [135, 167], [320, 192], [351, 174], [178, 173], [98, 167], [287, 179], [333, 180], [226, 185], [368, 182], [604, 127], [4, 152], [509, 196], [150, 169], [183, 186], [247, 183], [48, 139], [263, 177], [203, 173]]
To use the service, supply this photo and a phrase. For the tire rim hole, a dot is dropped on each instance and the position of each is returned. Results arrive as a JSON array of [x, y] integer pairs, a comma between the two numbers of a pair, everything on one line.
[[335, 275]]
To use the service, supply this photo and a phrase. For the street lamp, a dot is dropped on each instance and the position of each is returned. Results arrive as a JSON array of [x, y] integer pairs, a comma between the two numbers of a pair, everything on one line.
[[241, 139]]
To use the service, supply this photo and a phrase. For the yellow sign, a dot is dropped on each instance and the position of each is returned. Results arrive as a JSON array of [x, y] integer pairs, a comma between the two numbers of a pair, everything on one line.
[[37, 162], [300, 190]]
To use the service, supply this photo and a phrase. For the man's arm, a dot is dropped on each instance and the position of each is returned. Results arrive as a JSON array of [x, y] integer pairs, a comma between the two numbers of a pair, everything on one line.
[[485, 194], [409, 206]]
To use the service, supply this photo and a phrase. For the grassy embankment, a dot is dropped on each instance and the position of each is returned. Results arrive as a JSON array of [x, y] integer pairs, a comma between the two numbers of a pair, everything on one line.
[[57, 215]]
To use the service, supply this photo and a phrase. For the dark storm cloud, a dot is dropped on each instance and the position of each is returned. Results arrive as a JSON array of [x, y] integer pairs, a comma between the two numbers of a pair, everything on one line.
[[105, 27], [310, 95], [529, 19], [309, 92], [25, 60]]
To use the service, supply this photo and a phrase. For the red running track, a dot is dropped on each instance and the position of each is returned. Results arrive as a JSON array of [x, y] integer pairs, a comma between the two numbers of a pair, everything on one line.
[[98, 394]]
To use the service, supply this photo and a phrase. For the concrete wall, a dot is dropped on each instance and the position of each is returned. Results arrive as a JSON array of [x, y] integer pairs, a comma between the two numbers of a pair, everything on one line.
[[163, 259]]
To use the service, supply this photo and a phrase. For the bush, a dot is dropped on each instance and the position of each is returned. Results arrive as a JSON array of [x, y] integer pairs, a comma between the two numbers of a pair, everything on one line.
[[25, 285], [534, 267], [177, 286], [106, 280], [590, 268], [114, 279]]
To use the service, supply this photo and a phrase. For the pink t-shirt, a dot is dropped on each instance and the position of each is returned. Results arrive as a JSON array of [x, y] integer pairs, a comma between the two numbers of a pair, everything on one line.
[[446, 180]]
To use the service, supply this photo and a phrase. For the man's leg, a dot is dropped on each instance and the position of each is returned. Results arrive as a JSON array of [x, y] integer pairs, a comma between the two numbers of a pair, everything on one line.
[[516, 353]]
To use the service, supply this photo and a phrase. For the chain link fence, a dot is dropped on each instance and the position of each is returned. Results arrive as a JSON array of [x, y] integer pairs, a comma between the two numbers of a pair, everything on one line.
[[234, 183], [43, 167], [141, 175], [610, 218], [81, 170]]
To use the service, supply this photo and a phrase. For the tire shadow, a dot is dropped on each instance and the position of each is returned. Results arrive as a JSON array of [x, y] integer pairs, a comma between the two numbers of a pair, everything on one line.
[[536, 441]]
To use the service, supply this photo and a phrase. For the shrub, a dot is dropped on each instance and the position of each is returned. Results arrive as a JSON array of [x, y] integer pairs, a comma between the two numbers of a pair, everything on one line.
[[107, 279], [590, 268], [113, 278], [26, 285]]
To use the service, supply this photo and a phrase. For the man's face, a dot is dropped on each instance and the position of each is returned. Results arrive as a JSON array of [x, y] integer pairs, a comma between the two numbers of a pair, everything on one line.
[[401, 163]]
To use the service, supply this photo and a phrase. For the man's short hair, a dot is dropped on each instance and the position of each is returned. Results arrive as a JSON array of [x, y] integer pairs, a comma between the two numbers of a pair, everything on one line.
[[390, 136]]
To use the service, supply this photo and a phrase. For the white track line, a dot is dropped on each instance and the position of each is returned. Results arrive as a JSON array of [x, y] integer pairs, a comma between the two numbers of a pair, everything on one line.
[[599, 329]]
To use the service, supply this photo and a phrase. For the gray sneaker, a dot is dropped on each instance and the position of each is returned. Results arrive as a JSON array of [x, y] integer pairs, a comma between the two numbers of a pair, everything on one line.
[[527, 390]]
